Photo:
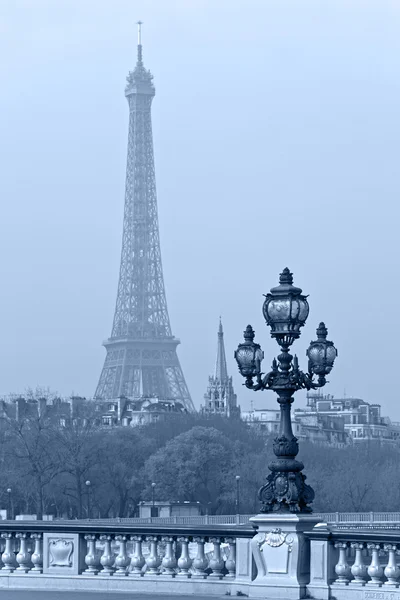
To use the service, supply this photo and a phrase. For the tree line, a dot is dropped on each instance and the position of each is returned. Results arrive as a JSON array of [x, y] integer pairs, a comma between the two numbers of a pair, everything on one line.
[[189, 457]]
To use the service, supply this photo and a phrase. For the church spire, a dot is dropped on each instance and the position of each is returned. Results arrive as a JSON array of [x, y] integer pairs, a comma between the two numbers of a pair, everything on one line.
[[220, 397], [221, 371]]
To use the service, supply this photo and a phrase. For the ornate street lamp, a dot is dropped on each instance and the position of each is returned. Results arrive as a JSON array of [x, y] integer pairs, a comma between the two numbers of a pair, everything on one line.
[[89, 505], [9, 504], [237, 494], [286, 310], [153, 489]]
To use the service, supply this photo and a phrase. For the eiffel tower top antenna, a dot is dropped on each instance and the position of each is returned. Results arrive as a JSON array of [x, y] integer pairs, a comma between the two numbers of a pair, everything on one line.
[[139, 32], [139, 41]]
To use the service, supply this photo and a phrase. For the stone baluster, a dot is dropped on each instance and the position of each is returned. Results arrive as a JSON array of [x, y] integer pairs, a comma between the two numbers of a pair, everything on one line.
[[37, 555], [137, 562], [216, 563], [91, 559], [122, 560], [230, 564], [342, 569], [391, 571], [153, 561], [169, 563], [358, 569], [8, 556], [375, 570], [24, 556], [184, 561], [200, 563], [107, 559]]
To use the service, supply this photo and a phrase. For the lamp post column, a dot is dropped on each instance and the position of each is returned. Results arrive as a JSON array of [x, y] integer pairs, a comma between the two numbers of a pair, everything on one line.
[[89, 502], [10, 507], [237, 498], [153, 489]]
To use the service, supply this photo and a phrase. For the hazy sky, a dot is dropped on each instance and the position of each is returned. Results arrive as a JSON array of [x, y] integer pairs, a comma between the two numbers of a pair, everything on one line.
[[277, 135]]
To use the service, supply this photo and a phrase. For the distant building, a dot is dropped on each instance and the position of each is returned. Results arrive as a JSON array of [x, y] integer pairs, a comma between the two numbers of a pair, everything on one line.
[[169, 509], [126, 412], [266, 419], [220, 397], [361, 421], [58, 410], [120, 411], [312, 427], [329, 420]]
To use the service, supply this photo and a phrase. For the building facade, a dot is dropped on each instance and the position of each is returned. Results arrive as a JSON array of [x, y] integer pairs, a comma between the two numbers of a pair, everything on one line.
[[130, 412], [362, 421], [312, 428], [220, 397], [56, 410], [329, 420]]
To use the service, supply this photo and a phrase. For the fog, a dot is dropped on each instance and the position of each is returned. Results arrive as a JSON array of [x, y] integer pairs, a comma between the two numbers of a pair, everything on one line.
[[276, 132]]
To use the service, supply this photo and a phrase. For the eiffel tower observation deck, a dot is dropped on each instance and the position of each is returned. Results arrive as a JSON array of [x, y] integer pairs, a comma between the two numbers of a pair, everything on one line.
[[141, 358]]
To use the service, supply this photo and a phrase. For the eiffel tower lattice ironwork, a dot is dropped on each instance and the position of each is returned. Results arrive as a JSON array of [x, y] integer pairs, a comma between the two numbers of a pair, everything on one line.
[[141, 358]]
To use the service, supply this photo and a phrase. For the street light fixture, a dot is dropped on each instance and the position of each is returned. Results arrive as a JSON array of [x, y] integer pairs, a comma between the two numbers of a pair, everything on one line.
[[89, 507], [237, 493], [9, 503], [286, 310], [153, 487]]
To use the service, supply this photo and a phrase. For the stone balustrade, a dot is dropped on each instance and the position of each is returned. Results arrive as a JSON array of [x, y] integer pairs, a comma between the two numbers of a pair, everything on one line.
[[279, 556], [357, 564], [122, 557]]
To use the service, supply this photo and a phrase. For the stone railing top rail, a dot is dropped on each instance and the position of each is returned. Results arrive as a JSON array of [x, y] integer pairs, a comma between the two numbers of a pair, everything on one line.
[[355, 535], [103, 527], [360, 517], [176, 520]]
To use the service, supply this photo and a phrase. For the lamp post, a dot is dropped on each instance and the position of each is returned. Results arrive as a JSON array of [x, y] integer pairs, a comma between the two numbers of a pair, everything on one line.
[[9, 504], [286, 310], [153, 487], [237, 493], [89, 503]]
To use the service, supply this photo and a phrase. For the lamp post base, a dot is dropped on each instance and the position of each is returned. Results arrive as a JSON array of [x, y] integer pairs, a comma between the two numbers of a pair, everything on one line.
[[286, 490]]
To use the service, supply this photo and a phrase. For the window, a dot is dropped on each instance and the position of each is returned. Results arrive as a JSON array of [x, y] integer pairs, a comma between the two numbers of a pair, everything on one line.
[[111, 407], [107, 421], [62, 423], [277, 416]]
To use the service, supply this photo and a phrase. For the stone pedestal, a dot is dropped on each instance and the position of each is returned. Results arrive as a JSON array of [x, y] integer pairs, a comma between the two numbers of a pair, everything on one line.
[[281, 552], [323, 558], [63, 554]]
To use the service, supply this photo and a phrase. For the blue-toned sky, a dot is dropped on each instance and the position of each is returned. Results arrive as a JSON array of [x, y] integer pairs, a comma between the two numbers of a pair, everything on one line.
[[277, 138]]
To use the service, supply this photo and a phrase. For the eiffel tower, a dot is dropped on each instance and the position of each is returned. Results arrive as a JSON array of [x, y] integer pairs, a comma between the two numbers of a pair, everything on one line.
[[141, 360]]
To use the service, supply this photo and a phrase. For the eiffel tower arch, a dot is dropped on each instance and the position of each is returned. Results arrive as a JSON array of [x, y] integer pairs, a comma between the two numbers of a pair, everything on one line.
[[141, 358]]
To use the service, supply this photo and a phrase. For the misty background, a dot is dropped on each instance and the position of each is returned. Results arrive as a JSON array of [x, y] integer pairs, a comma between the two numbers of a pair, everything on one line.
[[276, 133]]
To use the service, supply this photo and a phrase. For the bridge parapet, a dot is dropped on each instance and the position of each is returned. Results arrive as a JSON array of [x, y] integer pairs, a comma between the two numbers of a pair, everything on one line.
[[104, 556], [278, 557], [351, 563]]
